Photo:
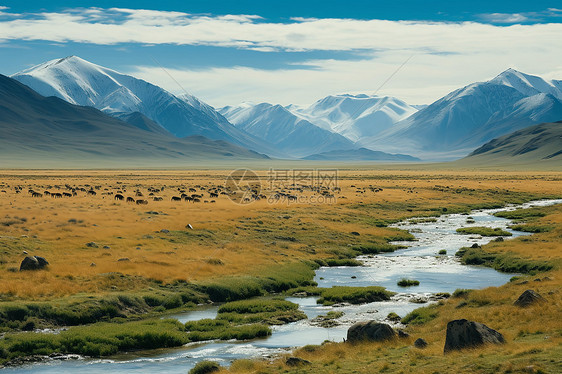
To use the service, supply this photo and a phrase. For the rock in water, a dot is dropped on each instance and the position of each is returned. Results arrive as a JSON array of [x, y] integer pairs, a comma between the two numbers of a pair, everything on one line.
[[370, 331], [468, 334], [527, 298], [33, 263]]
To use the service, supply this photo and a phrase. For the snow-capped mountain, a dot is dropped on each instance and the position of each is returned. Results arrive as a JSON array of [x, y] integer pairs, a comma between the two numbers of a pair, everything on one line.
[[290, 133], [80, 82], [529, 85], [38, 131], [355, 116], [468, 117]]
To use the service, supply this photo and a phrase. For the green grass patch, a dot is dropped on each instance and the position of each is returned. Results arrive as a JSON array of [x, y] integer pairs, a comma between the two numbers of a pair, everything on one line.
[[532, 228], [218, 329], [408, 282], [268, 311], [100, 339], [506, 262], [353, 295], [421, 315], [522, 214], [376, 248], [483, 231], [343, 262], [279, 279], [205, 367]]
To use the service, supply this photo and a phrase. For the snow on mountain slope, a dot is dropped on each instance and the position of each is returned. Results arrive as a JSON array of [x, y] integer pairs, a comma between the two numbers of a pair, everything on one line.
[[355, 116], [468, 117], [528, 84], [83, 83], [287, 131]]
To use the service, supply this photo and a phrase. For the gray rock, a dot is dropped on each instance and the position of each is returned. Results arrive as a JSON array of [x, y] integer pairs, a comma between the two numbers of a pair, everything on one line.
[[296, 361], [91, 245], [165, 231], [468, 334], [529, 297], [420, 343], [403, 334], [123, 259], [370, 331], [33, 263]]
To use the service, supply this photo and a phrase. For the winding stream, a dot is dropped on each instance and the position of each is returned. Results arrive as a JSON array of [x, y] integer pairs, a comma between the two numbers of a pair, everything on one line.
[[436, 273]]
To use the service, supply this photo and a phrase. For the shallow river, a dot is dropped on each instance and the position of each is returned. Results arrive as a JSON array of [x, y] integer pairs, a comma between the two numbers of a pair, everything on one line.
[[436, 273]]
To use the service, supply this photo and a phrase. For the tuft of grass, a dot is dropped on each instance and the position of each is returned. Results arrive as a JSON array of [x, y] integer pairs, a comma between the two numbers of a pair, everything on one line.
[[532, 228], [353, 295], [408, 282], [483, 231], [205, 367], [521, 214], [506, 262], [420, 316], [268, 311], [461, 292], [376, 248]]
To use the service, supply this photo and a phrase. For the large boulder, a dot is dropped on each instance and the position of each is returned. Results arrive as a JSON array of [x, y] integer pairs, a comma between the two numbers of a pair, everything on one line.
[[468, 334], [33, 263], [527, 298], [370, 331]]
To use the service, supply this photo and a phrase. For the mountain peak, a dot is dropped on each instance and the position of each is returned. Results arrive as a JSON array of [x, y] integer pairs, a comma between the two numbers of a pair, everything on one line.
[[527, 84]]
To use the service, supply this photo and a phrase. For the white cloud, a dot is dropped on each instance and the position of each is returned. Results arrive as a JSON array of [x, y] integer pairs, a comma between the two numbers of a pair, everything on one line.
[[447, 55], [505, 17]]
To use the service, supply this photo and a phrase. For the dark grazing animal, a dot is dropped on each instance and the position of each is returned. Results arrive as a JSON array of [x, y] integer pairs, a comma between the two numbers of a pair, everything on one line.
[[130, 199], [176, 198], [142, 202], [119, 197]]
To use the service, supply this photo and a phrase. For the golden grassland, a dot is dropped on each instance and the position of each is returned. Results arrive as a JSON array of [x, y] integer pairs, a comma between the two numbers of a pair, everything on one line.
[[243, 237], [230, 239]]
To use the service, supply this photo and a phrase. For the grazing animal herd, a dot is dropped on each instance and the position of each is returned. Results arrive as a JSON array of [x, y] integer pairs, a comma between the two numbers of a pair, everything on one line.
[[190, 194]]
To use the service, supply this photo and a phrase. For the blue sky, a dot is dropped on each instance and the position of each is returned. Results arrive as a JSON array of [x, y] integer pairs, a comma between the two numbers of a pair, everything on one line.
[[286, 52]]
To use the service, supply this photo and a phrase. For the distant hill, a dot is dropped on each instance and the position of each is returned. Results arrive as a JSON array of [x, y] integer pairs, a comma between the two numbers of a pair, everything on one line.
[[534, 144], [38, 131], [361, 154]]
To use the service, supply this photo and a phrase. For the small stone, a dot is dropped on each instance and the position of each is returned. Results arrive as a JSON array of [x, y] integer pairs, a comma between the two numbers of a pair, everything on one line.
[[296, 361], [420, 343], [92, 245], [93, 264], [106, 247], [403, 334], [165, 231], [528, 298], [123, 259]]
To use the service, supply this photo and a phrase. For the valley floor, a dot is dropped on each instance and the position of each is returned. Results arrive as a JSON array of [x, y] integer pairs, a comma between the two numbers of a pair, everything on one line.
[[113, 262]]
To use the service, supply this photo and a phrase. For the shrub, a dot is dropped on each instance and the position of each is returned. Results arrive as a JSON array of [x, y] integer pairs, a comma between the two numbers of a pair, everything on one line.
[[393, 317], [408, 282], [461, 292], [205, 367], [443, 252]]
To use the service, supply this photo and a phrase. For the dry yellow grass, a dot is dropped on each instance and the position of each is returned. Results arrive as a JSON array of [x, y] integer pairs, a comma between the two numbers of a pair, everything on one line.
[[132, 233]]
